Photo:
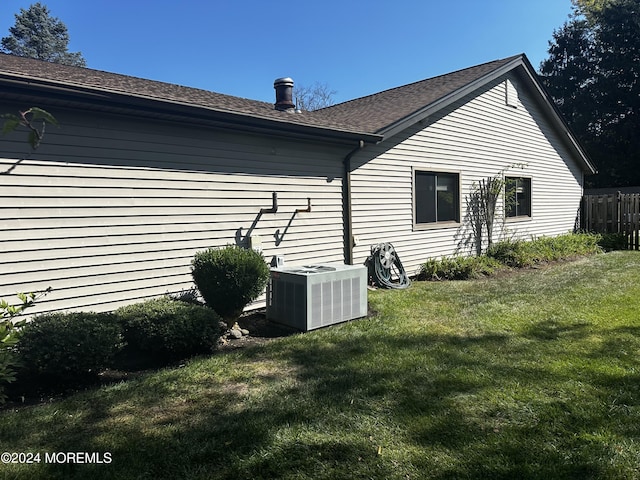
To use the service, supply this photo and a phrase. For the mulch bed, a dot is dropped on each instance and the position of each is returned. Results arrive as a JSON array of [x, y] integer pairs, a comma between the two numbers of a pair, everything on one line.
[[261, 331]]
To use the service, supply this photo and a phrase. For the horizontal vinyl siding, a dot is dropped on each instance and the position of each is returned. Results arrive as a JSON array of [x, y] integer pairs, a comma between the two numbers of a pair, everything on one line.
[[109, 211], [479, 137]]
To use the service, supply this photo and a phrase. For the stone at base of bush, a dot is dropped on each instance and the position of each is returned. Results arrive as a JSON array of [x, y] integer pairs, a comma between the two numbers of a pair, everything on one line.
[[235, 333]]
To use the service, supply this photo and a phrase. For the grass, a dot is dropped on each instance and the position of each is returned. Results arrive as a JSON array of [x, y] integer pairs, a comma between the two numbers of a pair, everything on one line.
[[534, 374]]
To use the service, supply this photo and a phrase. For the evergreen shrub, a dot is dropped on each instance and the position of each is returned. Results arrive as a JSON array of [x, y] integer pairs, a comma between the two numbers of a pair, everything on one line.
[[68, 347], [164, 329], [229, 279]]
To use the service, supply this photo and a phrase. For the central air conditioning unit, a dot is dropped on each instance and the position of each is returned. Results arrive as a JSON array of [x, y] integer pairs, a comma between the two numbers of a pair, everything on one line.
[[314, 296]]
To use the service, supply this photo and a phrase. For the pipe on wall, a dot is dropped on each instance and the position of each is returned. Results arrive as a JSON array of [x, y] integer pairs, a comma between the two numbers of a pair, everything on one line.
[[346, 193], [274, 204]]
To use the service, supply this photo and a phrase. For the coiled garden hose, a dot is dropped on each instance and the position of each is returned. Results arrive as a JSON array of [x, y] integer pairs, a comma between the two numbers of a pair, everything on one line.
[[385, 267]]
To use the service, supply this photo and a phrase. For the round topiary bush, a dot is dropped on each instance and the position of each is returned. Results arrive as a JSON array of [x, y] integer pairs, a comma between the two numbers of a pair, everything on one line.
[[164, 329], [229, 279], [68, 348]]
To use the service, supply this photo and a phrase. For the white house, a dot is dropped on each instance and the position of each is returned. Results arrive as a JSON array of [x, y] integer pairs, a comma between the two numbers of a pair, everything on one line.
[[140, 175], [443, 135]]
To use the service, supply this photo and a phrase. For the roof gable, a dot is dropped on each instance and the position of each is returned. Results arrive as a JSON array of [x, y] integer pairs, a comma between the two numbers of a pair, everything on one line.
[[392, 111], [377, 113]]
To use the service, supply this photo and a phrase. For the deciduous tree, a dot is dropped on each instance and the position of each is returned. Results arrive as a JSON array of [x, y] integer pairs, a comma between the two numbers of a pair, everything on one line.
[[314, 97]]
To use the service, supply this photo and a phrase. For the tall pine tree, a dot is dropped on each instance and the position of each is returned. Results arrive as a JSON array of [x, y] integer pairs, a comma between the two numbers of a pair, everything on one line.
[[593, 74], [36, 34]]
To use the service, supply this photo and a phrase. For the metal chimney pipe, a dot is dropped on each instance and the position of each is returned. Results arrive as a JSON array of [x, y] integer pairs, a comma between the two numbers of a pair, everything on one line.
[[284, 94]]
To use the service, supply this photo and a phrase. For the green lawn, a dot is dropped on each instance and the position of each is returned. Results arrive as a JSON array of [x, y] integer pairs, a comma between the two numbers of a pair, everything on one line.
[[535, 374]]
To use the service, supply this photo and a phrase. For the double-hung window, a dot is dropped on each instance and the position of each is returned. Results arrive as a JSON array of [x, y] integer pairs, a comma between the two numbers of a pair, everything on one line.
[[518, 197], [436, 197]]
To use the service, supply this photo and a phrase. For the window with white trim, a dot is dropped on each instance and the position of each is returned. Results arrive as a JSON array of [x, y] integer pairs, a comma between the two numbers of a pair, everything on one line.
[[436, 197], [518, 197]]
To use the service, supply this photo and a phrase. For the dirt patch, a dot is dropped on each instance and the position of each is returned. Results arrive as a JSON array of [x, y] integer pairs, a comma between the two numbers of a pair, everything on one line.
[[260, 329]]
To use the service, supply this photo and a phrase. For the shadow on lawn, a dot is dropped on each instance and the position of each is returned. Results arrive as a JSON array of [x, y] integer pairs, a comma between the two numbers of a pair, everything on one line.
[[552, 435], [345, 396], [552, 329]]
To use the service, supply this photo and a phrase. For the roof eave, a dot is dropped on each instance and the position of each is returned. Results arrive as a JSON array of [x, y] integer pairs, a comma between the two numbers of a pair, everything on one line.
[[164, 109], [571, 139]]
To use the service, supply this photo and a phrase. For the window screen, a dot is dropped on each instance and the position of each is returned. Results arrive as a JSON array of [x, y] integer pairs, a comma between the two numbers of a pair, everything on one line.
[[436, 197]]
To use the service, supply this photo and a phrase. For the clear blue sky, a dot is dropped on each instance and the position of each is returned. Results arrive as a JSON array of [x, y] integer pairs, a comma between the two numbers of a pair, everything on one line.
[[238, 47]]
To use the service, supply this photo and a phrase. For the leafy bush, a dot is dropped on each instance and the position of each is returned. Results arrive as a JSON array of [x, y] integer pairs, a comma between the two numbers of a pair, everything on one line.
[[8, 339], [457, 268], [571, 245], [522, 253], [165, 329], [7, 357], [613, 241], [9, 336], [68, 347], [512, 253], [229, 279]]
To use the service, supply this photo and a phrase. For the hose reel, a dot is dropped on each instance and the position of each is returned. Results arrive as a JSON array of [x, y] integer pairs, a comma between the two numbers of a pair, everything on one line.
[[387, 255], [385, 267]]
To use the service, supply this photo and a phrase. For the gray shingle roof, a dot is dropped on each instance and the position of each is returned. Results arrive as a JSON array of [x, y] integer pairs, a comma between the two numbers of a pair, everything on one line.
[[370, 118], [369, 114], [95, 80], [376, 112]]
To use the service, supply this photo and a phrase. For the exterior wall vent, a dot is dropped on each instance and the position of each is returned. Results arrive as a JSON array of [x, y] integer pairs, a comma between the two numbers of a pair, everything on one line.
[[510, 94], [317, 296]]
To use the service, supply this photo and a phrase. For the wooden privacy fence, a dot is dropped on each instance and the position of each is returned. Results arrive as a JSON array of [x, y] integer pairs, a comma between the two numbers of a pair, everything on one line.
[[613, 213]]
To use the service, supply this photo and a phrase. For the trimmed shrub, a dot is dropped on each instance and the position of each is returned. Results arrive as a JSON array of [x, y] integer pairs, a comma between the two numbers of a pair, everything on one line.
[[164, 329], [229, 279], [457, 268], [68, 347]]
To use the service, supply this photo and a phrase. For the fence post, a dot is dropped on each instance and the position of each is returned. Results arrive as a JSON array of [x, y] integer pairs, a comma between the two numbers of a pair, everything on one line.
[[619, 212]]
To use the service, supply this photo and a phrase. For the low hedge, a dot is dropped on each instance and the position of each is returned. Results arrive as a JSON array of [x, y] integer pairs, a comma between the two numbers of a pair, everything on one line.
[[511, 254], [526, 253], [65, 350], [67, 347], [613, 241], [164, 329]]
